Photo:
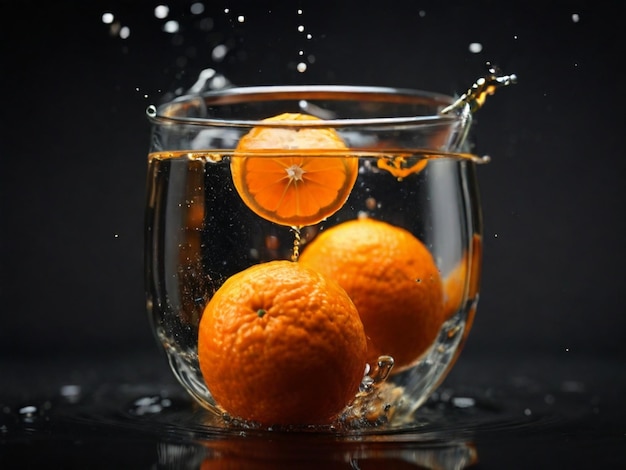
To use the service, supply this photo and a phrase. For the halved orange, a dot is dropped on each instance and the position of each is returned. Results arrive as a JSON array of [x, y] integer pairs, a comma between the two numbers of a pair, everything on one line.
[[283, 175]]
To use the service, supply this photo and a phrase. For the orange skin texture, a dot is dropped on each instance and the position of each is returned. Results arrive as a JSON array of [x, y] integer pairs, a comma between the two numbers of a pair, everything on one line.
[[392, 279], [283, 176], [281, 344]]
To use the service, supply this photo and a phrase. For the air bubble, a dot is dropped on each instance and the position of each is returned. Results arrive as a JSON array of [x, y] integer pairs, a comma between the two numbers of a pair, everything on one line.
[[151, 110]]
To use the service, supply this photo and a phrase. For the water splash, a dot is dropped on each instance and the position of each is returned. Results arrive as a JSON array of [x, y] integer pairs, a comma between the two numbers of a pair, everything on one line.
[[473, 99]]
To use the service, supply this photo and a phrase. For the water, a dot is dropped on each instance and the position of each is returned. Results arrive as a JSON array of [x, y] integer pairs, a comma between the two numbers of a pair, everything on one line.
[[200, 232], [132, 412]]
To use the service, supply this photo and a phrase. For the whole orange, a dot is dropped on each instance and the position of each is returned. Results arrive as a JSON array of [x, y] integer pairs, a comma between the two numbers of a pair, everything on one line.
[[392, 279], [281, 344]]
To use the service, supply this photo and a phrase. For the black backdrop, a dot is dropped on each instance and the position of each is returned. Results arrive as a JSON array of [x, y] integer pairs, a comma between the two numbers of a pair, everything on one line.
[[74, 138]]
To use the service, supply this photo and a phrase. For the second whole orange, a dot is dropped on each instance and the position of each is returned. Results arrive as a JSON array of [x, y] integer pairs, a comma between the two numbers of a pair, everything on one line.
[[392, 279], [281, 344]]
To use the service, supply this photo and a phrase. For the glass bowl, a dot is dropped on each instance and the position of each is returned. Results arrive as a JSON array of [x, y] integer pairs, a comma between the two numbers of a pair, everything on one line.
[[415, 171]]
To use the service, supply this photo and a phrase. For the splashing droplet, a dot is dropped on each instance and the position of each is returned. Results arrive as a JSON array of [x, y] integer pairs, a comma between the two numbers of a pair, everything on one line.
[[172, 26], [107, 18], [161, 11]]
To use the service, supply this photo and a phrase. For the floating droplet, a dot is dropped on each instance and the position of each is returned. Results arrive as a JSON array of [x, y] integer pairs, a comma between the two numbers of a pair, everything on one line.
[[161, 11], [124, 32], [196, 8], [575, 17], [171, 26], [301, 28], [301, 67], [475, 47], [107, 18], [219, 52]]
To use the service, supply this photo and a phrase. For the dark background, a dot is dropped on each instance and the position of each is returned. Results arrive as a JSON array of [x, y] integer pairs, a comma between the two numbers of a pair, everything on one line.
[[74, 140]]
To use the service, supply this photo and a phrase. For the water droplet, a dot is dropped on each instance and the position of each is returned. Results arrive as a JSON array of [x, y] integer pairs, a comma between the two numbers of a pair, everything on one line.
[[308, 36], [475, 47], [301, 28], [107, 18], [301, 67], [299, 12], [171, 26], [463, 402], [28, 413], [422, 13], [150, 405], [528, 412], [71, 392], [241, 18], [300, 52], [124, 32], [196, 8], [28, 410], [161, 11], [219, 52], [575, 17]]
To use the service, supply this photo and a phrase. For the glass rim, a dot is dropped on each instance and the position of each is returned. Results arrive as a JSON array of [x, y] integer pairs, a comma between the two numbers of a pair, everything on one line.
[[166, 113]]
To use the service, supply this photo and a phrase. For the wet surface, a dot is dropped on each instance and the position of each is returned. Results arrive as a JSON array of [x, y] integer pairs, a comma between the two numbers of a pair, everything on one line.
[[127, 411]]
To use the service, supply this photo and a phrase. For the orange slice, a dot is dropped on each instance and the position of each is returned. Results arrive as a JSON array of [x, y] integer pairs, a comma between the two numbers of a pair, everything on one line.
[[294, 183]]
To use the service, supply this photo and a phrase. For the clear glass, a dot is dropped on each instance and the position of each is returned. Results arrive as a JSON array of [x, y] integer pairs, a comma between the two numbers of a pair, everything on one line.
[[199, 232]]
